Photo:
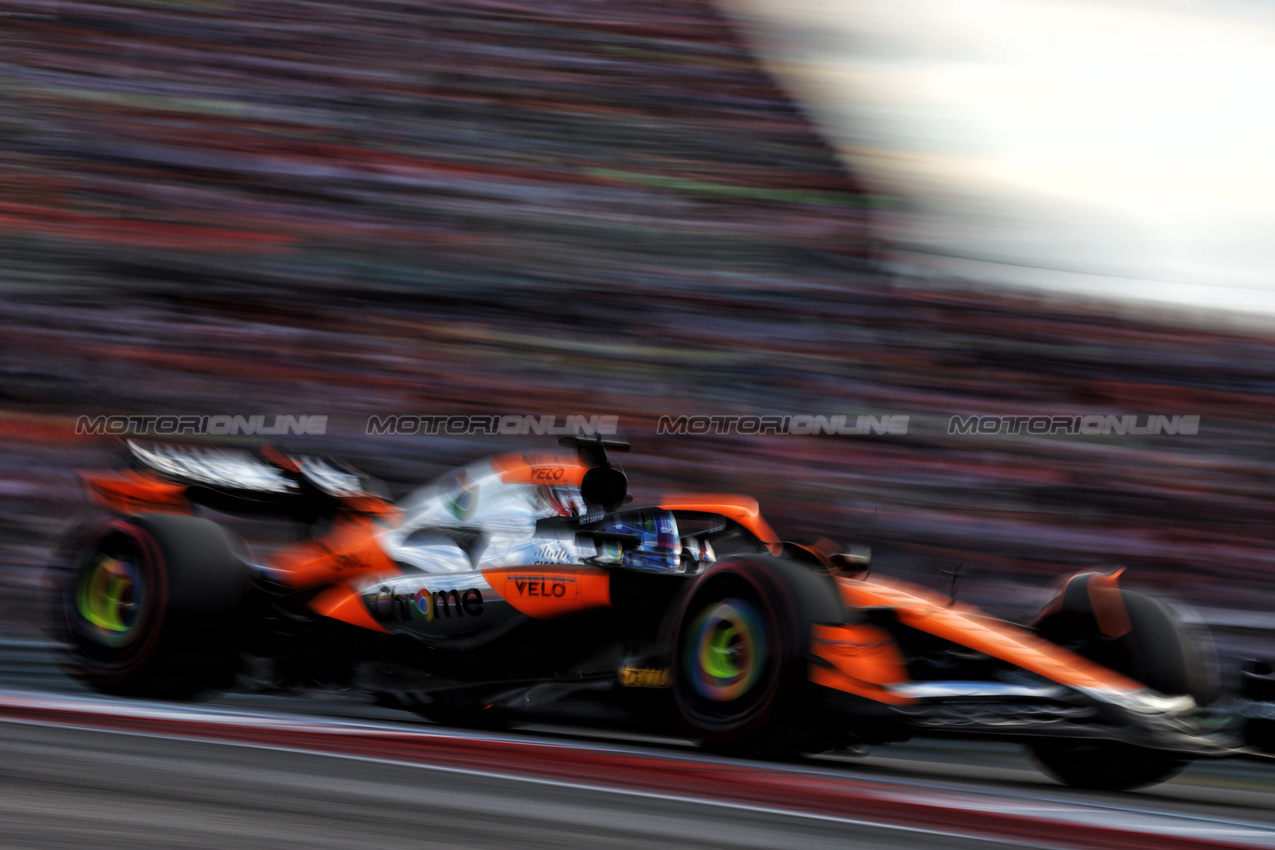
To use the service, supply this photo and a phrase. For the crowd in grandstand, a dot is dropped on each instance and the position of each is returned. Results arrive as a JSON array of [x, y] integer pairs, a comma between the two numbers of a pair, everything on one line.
[[575, 207]]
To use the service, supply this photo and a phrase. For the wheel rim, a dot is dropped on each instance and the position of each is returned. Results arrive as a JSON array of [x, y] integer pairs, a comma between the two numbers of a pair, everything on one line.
[[110, 598], [726, 651]]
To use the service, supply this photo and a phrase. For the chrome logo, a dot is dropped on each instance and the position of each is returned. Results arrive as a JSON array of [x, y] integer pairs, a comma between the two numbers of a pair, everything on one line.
[[422, 606]]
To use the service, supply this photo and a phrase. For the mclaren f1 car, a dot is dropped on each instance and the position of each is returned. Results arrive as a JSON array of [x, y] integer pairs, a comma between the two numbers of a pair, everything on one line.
[[528, 587]]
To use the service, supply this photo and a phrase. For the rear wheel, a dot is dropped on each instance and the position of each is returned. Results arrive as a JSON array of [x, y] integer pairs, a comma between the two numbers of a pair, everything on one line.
[[152, 605], [1160, 651], [738, 671]]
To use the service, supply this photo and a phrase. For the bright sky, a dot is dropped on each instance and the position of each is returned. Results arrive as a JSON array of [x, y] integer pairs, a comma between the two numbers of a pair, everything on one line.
[[1128, 143]]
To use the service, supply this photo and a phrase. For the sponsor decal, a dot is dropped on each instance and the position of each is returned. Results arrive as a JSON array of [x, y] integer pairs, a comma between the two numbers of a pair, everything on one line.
[[462, 603], [554, 587], [645, 677], [424, 606], [547, 474], [556, 554]]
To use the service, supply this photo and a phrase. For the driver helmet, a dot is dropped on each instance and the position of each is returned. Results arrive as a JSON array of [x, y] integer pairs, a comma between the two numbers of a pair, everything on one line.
[[660, 547]]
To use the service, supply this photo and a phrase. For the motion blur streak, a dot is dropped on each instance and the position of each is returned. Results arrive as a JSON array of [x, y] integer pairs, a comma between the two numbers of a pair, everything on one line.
[[73, 788], [772, 792], [1124, 145], [556, 208]]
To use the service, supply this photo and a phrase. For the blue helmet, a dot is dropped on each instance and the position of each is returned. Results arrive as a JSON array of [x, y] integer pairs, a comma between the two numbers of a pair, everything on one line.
[[660, 547]]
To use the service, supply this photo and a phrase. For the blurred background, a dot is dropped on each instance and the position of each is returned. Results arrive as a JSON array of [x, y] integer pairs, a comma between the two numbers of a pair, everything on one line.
[[668, 207]]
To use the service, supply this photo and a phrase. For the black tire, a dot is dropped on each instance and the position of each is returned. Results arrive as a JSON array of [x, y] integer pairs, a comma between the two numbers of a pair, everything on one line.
[[741, 637], [1160, 651], [1105, 765], [1169, 654], [152, 605]]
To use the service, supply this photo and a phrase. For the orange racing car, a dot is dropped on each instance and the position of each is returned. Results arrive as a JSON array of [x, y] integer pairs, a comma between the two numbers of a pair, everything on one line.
[[527, 587]]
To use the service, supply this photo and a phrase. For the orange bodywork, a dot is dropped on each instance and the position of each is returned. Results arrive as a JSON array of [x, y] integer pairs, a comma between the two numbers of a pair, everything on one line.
[[1105, 601], [967, 627], [345, 604], [349, 549], [547, 469], [858, 659], [741, 509], [131, 492], [1108, 605], [548, 591], [372, 505], [279, 459]]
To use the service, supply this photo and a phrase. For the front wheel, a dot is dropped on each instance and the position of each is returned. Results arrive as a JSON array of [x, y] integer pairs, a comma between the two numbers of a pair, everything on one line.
[[1161, 651], [740, 641], [151, 605]]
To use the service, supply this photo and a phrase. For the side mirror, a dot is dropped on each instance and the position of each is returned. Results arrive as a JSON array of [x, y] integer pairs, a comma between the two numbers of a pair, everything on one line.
[[849, 561], [604, 487], [854, 559]]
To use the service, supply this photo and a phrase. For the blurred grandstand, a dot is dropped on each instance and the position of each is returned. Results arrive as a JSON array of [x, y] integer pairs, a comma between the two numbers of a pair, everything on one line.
[[565, 207]]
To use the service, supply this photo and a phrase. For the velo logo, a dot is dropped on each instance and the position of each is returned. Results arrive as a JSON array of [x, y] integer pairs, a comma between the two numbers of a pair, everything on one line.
[[554, 587]]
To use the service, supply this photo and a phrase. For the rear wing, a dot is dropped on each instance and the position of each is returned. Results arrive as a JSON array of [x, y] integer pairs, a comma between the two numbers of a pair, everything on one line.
[[235, 481]]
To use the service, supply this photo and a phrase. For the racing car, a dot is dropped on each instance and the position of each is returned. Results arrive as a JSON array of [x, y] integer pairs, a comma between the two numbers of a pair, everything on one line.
[[528, 587]]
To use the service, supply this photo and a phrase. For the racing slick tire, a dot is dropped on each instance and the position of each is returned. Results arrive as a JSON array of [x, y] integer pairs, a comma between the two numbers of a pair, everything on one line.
[[151, 605], [741, 637], [1160, 651]]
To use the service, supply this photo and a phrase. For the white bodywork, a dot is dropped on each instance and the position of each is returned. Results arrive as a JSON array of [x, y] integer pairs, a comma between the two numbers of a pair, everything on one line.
[[474, 504]]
